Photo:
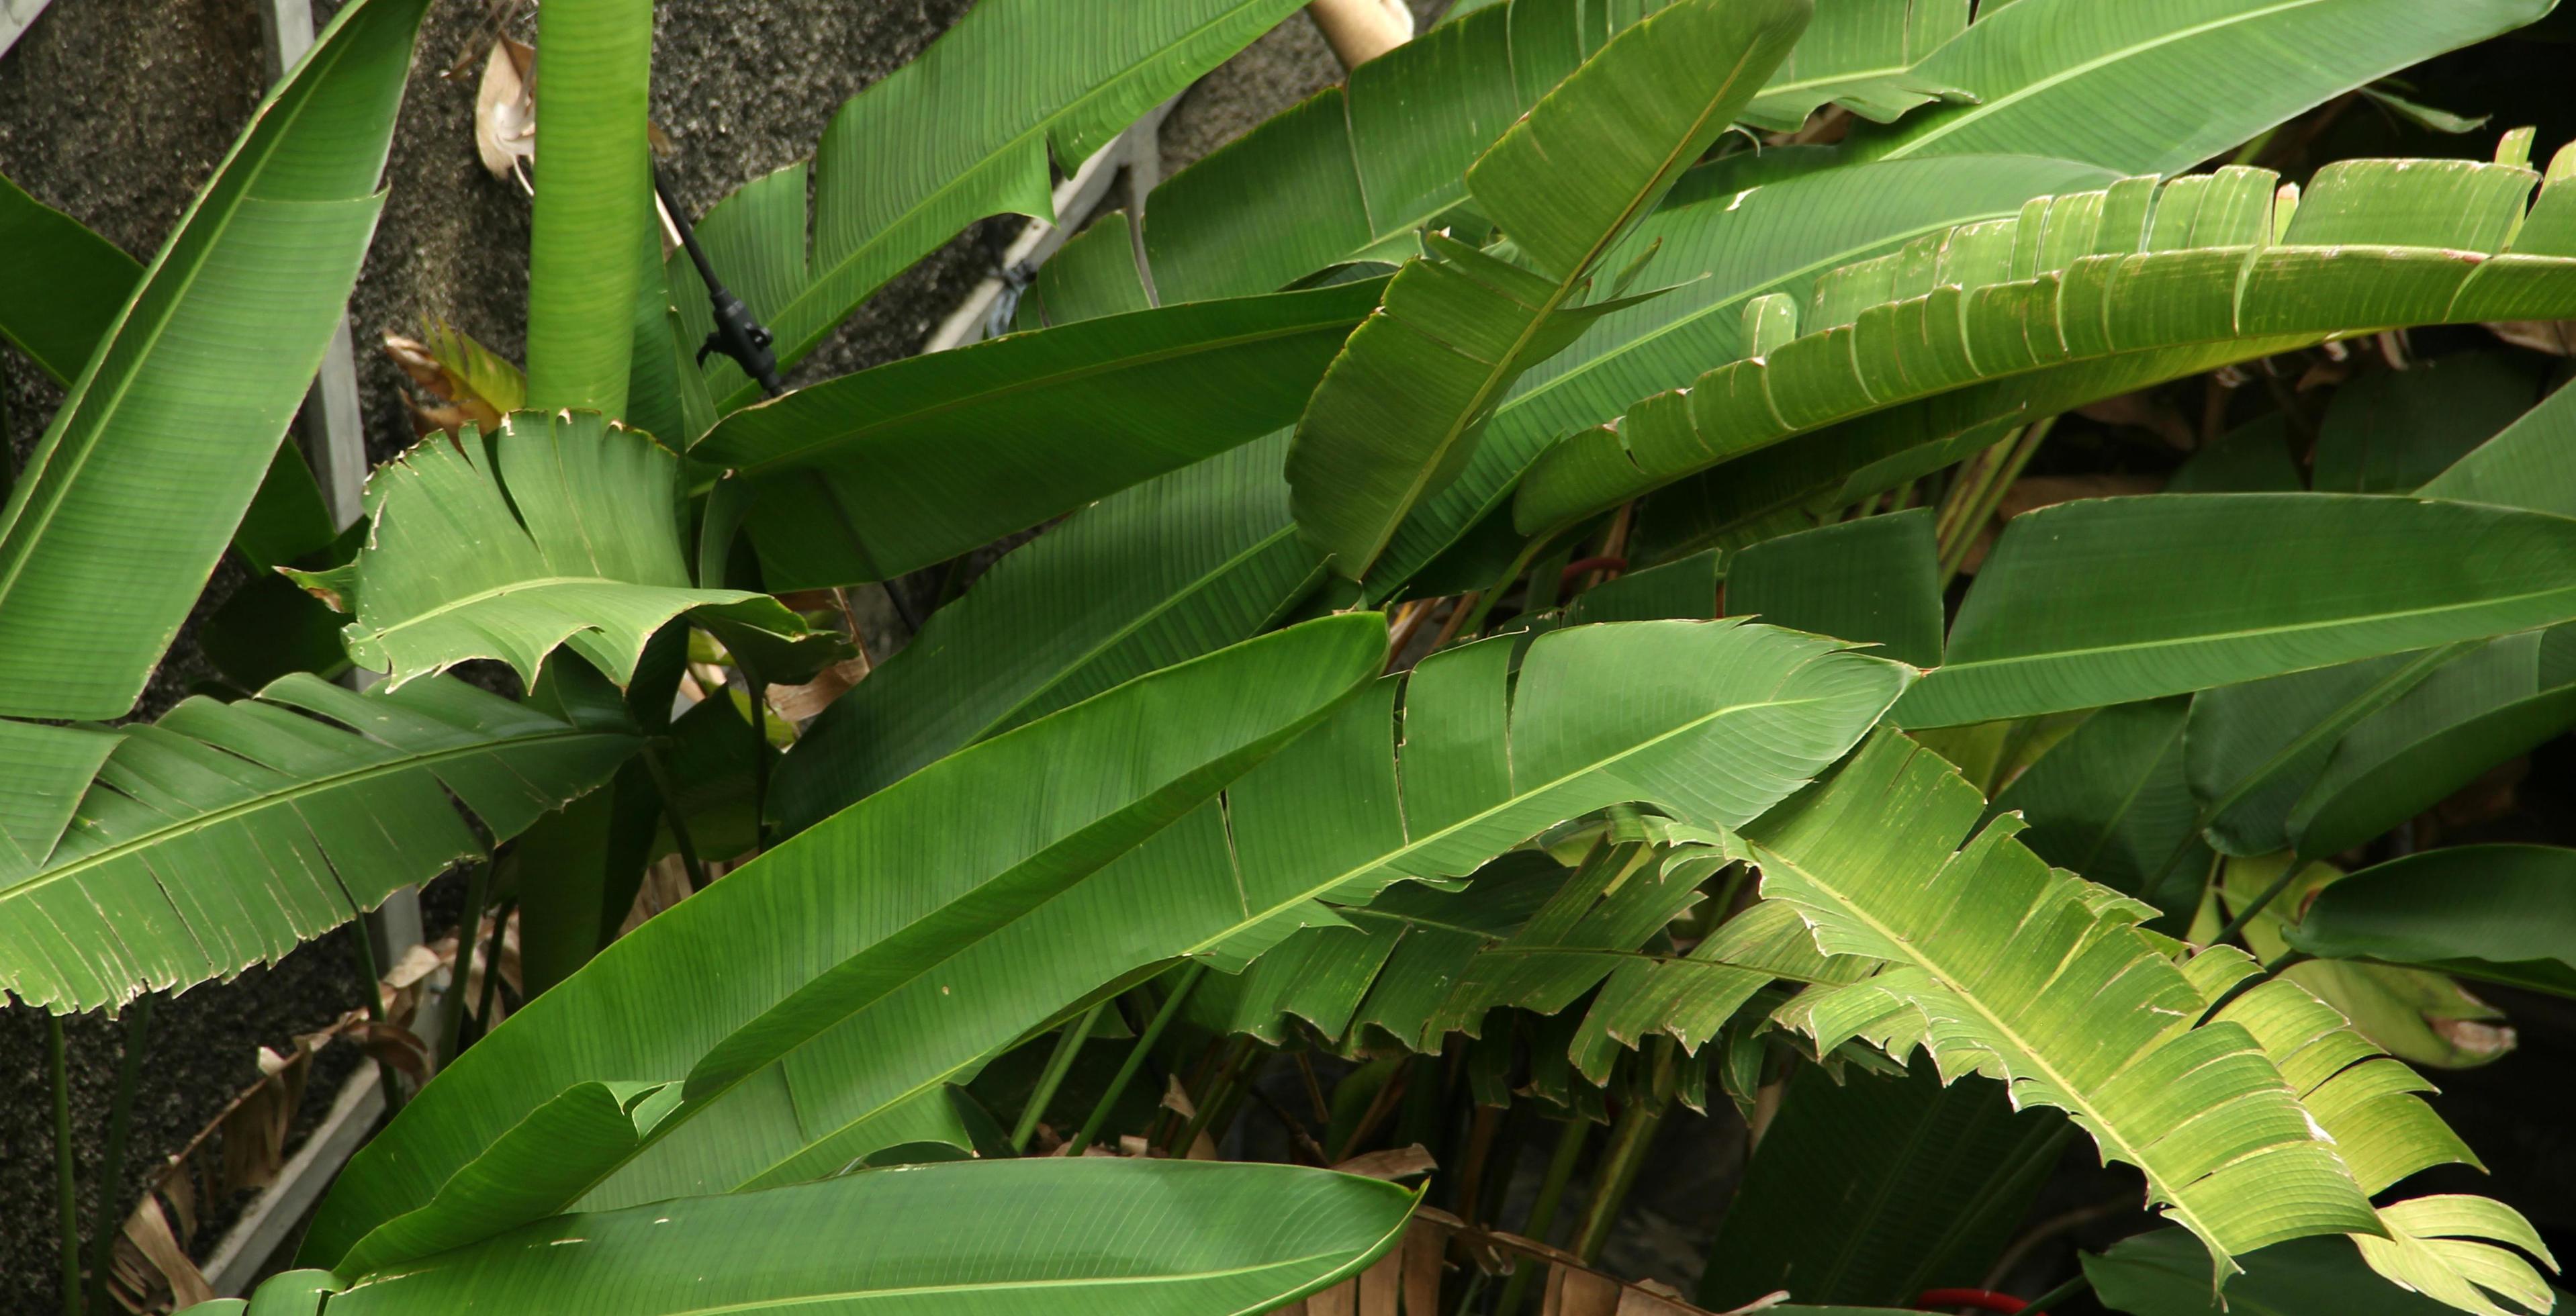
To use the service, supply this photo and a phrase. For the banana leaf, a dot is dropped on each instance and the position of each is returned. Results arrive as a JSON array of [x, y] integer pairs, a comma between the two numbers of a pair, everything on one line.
[[225, 834], [2155, 86], [90, 592], [1399, 413], [866, 921], [562, 531], [1862, 55], [965, 131], [1871, 581], [2083, 297], [875, 474], [66, 285], [1179, 566], [1101, 1235], [2159, 1273], [2393, 431], [2111, 802], [1999, 966], [2505, 913], [2087, 603], [2531, 464]]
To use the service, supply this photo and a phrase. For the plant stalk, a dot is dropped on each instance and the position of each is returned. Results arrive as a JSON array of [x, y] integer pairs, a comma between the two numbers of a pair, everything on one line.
[[1058, 1065], [371, 980], [663, 785], [66, 1192], [1629, 1141], [478, 889], [1136, 1058], [2040, 1305], [492, 969], [1542, 1216], [1989, 496], [111, 1170]]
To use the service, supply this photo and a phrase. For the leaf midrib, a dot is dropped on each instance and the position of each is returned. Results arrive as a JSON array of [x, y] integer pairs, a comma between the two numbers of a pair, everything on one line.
[[705, 597], [962, 181], [1916, 953], [1974, 114], [2252, 632], [290, 794], [860, 433]]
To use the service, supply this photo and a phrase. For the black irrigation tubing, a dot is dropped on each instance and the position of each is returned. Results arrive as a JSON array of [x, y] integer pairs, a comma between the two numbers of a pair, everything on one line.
[[736, 334]]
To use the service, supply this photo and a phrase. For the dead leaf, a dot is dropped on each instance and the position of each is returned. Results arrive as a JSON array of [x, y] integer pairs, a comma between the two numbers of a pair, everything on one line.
[[1393, 1163], [799, 702], [2556, 337], [505, 109], [150, 1233]]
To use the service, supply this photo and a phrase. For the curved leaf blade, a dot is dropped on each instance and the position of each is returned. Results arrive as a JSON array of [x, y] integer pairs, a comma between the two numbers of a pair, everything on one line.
[[563, 531], [65, 288], [2506, 913], [874, 474], [266, 255], [225, 834], [1153, 1238], [883, 900]]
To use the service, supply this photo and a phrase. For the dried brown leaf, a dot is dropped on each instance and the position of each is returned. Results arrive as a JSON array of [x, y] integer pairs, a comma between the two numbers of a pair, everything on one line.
[[505, 109], [1393, 1163]]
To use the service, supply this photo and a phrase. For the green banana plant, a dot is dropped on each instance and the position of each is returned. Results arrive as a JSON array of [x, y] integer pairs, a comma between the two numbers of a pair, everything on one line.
[[266, 254]]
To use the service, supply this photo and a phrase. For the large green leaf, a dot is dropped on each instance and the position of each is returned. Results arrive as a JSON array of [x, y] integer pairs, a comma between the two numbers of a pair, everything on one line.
[[1923, 1183], [2254, 749], [1872, 581], [562, 531], [595, 201], [2153, 86], [881, 472], [2162, 1273], [1860, 53], [2501, 912], [2393, 431], [66, 284], [2505, 698], [2000, 966], [963, 132], [224, 834], [871, 920], [91, 590], [1714, 719], [2531, 464], [2111, 802], [1181, 565], [2130, 598], [2083, 297], [1399, 414], [1134, 1237]]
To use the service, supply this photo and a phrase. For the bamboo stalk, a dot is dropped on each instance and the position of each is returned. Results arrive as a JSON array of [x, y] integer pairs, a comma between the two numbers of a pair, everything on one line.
[[66, 1192], [111, 1170], [1049, 1079], [1135, 1059]]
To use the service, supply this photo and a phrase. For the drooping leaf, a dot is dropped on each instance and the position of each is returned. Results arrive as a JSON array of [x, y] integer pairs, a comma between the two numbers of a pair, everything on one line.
[[2254, 749], [1181, 565], [2443, 1245], [2531, 464], [1154, 1238], [1999, 966], [224, 834], [2469, 715], [1399, 413], [563, 530], [266, 255], [2111, 803], [2129, 598], [1860, 54], [2506, 913], [1924, 1184], [2080, 298], [805, 937], [1871, 581], [2418, 1016], [2154, 86], [594, 203], [65, 288], [2163, 1273], [965, 131], [881, 472]]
